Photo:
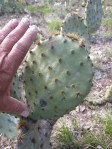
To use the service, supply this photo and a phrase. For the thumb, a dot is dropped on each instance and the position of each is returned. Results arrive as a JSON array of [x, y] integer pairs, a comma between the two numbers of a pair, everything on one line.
[[11, 105]]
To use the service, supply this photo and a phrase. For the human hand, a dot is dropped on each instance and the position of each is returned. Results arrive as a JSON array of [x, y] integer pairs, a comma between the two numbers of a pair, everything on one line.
[[15, 40]]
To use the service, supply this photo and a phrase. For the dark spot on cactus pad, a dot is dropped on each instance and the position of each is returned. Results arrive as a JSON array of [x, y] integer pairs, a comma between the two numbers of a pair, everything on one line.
[[42, 103], [34, 62], [31, 52], [41, 146], [67, 111], [33, 140], [68, 72], [46, 134], [52, 47], [62, 92], [13, 83], [90, 80], [50, 67], [50, 144], [29, 93], [40, 74], [32, 72], [72, 52], [56, 80], [34, 104], [55, 107], [39, 128], [36, 92], [9, 130], [42, 55], [51, 97], [60, 60], [65, 41], [78, 94], [45, 87], [64, 98], [26, 67], [39, 43], [31, 79], [73, 86], [81, 63]]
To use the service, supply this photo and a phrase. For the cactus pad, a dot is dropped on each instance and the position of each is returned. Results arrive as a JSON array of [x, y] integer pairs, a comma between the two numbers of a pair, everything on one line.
[[34, 135], [93, 16], [75, 25], [8, 125], [57, 77]]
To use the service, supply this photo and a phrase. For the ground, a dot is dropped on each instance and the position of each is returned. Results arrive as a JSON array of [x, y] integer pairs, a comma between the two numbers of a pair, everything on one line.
[[95, 104]]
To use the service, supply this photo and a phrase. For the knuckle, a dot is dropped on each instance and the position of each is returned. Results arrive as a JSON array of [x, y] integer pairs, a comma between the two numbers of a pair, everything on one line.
[[12, 37], [21, 45]]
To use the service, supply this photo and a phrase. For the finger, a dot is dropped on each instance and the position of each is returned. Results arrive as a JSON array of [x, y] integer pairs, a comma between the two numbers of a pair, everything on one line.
[[15, 35], [8, 28], [20, 49], [11, 105]]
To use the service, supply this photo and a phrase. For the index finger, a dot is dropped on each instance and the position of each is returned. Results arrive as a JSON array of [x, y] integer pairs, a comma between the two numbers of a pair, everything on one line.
[[18, 52]]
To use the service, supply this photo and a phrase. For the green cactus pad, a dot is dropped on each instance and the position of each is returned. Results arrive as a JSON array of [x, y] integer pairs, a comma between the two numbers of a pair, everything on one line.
[[93, 16], [8, 125], [15, 87], [34, 135], [75, 25], [57, 77]]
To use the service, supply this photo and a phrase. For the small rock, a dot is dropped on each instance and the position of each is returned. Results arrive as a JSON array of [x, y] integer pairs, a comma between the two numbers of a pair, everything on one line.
[[82, 108], [99, 147]]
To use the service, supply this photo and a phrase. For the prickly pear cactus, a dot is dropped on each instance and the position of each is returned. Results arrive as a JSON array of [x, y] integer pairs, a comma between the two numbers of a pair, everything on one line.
[[8, 125], [93, 11], [74, 24], [57, 77], [34, 134]]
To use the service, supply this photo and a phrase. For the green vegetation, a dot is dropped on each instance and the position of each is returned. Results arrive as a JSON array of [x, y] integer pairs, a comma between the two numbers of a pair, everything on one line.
[[66, 138], [31, 8], [45, 9], [102, 137], [54, 25], [107, 19], [108, 52]]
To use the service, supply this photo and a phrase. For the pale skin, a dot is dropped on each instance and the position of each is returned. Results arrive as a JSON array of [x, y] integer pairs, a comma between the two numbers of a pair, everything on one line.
[[15, 40]]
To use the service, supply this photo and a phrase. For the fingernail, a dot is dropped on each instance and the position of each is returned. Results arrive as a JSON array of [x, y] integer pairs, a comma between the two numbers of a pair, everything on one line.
[[25, 20], [34, 27], [25, 113]]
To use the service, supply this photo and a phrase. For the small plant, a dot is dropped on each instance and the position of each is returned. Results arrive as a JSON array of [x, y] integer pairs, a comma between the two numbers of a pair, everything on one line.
[[45, 9], [54, 25], [107, 125], [31, 8], [107, 22], [66, 138], [108, 52], [92, 140]]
